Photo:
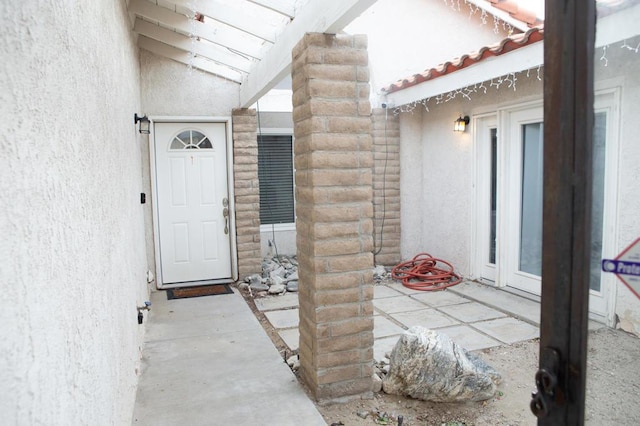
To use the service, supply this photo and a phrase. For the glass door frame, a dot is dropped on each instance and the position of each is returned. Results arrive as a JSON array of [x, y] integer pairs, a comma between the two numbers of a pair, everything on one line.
[[607, 99]]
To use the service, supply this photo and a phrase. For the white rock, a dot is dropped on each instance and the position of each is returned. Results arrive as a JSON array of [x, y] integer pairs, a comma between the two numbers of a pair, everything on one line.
[[376, 383], [292, 277], [277, 280], [277, 289], [428, 365], [293, 362]]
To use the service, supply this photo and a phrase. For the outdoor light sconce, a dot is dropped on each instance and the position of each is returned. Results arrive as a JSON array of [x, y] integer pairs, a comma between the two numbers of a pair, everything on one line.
[[461, 123], [144, 126]]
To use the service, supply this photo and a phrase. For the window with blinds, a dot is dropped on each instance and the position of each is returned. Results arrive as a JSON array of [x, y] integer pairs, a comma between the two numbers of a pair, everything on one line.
[[275, 171]]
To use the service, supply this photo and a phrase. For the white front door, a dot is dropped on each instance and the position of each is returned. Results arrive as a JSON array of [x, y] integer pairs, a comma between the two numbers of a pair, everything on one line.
[[192, 203]]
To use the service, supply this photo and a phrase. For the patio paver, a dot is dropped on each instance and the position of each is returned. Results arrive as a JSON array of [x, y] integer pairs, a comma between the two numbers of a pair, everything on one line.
[[508, 330], [469, 338], [382, 327], [383, 345], [471, 312], [288, 300], [291, 337], [391, 305], [429, 318], [283, 319], [381, 291], [440, 298]]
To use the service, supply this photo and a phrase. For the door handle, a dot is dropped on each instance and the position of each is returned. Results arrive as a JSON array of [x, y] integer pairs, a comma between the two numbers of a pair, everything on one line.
[[225, 214]]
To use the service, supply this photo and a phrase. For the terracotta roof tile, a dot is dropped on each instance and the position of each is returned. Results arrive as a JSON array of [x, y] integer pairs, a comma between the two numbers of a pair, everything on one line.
[[517, 12], [506, 45]]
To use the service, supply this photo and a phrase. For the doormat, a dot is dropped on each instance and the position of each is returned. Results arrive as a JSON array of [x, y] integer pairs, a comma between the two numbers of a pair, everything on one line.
[[199, 291]]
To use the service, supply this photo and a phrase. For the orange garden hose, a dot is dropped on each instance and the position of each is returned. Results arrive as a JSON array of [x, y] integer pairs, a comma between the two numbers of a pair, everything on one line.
[[425, 272]]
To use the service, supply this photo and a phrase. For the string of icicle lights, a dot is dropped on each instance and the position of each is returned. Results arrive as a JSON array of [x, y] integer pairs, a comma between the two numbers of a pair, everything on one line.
[[508, 81], [457, 5], [605, 61]]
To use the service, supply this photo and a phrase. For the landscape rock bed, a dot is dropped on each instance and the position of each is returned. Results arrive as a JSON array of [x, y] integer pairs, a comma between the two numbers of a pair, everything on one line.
[[279, 276]]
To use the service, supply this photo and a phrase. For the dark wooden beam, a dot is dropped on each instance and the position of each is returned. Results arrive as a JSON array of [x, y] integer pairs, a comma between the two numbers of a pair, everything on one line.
[[568, 122]]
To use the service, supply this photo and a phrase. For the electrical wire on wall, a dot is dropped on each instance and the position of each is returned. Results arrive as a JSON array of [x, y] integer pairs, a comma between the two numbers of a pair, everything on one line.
[[377, 250], [273, 226]]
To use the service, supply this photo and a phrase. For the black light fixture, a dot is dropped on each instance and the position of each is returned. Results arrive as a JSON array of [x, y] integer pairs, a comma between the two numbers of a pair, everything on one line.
[[461, 124], [145, 124]]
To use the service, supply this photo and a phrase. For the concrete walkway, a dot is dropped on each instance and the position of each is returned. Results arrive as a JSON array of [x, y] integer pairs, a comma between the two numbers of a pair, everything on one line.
[[208, 361]]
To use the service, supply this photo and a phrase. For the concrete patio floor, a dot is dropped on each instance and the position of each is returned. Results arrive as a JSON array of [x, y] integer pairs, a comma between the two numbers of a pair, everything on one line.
[[208, 360]]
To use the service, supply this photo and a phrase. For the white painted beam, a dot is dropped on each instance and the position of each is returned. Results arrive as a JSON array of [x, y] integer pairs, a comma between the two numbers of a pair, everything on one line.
[[214, 33], [207, 50], [619, 26], [328, 16], [282, 7], [179, 55], [232, 16]]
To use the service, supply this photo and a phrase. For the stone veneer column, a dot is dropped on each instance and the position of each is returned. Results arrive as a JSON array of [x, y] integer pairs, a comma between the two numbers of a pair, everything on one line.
[[247, 191], [386, 186], [333, 158]]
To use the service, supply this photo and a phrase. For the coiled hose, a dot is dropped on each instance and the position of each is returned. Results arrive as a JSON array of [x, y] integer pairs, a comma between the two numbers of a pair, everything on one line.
[[425, 272]]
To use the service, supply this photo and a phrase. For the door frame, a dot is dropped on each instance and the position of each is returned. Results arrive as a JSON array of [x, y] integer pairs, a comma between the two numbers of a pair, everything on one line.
[[154, 190], [607, 95]]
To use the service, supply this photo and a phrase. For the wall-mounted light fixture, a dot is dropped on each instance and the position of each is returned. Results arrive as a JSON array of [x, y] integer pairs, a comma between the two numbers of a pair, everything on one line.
[[145, 124], [461, 124]]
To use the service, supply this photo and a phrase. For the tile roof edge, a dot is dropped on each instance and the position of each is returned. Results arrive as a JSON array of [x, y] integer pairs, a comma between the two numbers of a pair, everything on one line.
[[504, 46]]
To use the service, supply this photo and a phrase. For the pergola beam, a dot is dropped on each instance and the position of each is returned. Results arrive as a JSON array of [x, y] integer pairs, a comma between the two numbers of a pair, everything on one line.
[[177, 40], [179, 55], [282, 7], [329, 16], [216, 34], [232, 16]]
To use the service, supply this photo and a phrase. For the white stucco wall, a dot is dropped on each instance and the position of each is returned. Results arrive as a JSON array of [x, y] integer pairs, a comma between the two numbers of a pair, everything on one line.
[[437, 170], [169, 88], [73, 268], [437, 167], [621, 69], [408, 36]]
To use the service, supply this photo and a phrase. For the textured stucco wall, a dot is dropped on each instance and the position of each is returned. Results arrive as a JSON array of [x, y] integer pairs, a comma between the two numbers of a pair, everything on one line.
[[618, 61], [169, 88], [432, 31], [72, 245], [411, 184], [436, 172], [437, 165]]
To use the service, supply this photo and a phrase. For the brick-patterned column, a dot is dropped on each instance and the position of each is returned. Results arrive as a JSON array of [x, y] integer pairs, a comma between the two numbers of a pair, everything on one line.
[[386, 186], [247, 191], [333, 158]]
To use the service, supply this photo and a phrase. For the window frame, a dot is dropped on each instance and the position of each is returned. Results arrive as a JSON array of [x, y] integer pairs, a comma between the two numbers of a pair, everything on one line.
[[281, 131]]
